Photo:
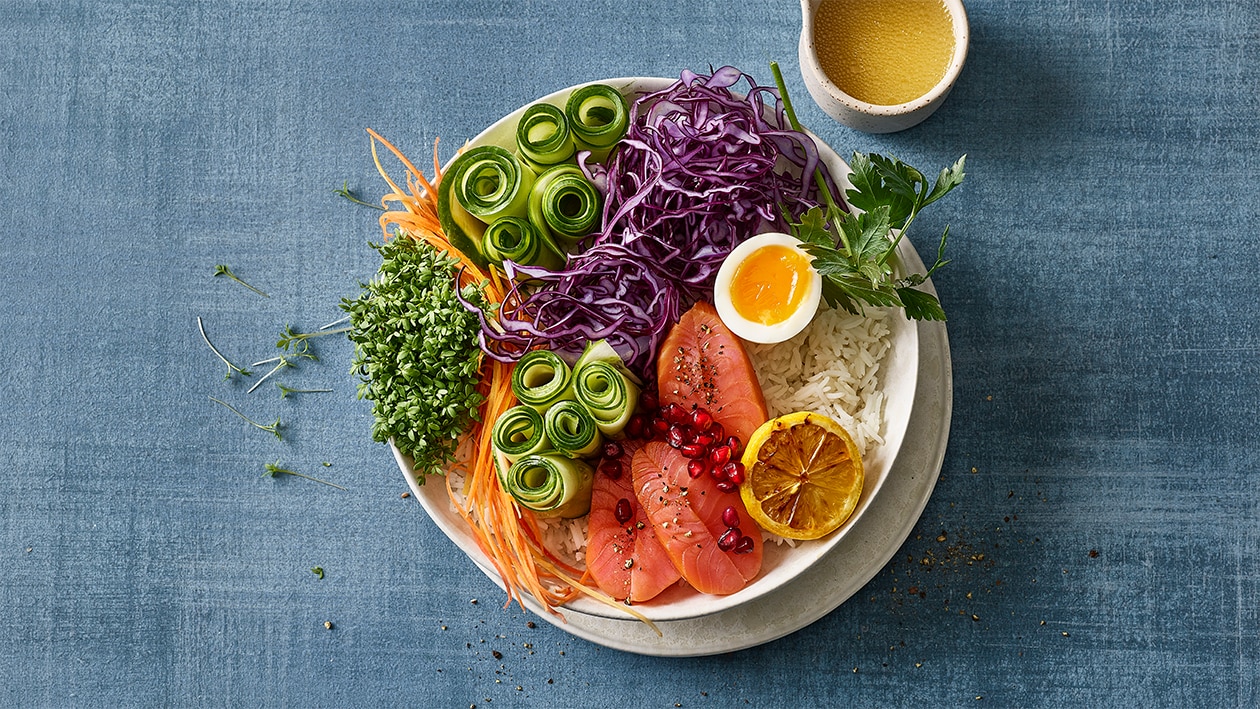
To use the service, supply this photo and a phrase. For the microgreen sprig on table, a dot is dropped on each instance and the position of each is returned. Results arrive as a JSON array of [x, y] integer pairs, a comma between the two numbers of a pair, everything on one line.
[[285, 391], [224, 270], [273, 469], [290, 340], [232, 368], [347, 194], [272, 428], [854, 252]]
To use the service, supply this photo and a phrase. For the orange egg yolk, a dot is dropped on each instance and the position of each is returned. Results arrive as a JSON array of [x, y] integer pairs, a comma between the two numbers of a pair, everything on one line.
[[769, 285]]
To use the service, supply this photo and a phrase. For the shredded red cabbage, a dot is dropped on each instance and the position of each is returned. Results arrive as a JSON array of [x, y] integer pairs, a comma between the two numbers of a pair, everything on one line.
[[700, 170]]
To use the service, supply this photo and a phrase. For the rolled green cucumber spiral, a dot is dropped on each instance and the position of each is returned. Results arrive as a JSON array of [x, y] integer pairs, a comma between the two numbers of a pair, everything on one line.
[[543, 137], [550, 485], [541, 379], [517, 240], [603, 385], [565, 204], [598, 117], [490, 182], [518, 433], [571, 429]]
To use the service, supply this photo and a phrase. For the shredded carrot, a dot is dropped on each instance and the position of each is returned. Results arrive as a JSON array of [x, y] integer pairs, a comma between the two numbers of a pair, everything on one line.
[[506, 534]]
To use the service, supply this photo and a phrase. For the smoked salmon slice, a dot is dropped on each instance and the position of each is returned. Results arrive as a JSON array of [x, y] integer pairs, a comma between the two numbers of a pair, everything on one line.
[[686, 514], [626, 559], [702, 364]]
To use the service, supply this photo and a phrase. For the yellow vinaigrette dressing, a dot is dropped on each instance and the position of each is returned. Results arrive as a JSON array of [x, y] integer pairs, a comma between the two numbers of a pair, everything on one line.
[[885, 52]]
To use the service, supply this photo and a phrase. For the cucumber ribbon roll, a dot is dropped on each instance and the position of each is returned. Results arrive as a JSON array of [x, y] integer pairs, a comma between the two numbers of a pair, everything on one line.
[[543, 137], [519, 432], [565, 204], [490, 182], [599, 117], [603, 384], [550, 485], [571, 429], [541, 379], [517, 240]]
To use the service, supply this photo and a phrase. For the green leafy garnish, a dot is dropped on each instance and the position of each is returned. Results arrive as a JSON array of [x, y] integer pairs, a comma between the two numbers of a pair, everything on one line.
[[272, 428], [416, 351], [318, 571], [855, 252], [347, 194], [274, 469], [232, 368], [299, 341], [224, 270], [285, 391]]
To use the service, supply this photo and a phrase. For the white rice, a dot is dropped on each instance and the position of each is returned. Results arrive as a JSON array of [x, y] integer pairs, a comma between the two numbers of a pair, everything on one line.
[[831, 368]]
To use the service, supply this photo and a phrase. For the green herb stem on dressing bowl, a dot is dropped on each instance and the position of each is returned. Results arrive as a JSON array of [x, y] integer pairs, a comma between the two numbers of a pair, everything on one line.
[[880, 66]]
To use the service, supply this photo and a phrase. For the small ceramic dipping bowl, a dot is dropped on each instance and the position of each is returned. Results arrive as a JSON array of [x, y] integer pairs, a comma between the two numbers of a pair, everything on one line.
[[870, 117]]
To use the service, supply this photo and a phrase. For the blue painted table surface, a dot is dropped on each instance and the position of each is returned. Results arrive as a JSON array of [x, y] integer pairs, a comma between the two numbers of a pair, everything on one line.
[[1093, 537]]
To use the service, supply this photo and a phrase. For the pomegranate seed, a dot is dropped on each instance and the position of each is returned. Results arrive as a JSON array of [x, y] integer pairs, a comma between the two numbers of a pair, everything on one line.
[[735, 472], [660, 425], [692, 450], [717, 431], [727, 486], [649, 401], [695, 468], [701, 419], [719, 455], [676, 413], [611, 468], [623, 511], [736, 446], [634, 427], [704, 439], [674, 436], [730, 516], [744, 545], [729, 540], [612, 449], [715, 472]]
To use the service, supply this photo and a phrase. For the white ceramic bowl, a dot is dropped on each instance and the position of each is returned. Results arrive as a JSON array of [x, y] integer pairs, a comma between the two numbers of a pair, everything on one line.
[[869, 117], [780, 564]]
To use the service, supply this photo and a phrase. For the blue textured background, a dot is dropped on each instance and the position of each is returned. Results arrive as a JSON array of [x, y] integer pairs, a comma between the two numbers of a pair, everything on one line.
[[1102, 306]]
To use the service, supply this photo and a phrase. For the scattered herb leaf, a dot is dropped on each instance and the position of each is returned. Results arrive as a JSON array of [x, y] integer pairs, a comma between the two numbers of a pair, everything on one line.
[[274, 469], [224, 270], [290, 340], [285, 391], [232, 368], [318, 571], [273, 428], [347, 194]]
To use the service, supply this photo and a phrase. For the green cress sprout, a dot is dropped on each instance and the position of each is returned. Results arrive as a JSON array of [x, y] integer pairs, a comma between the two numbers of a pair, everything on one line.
[[273, 469], [232, 368], [273, 428], [224, 270], [347, 194], [416, 351], [851, 251], [285, 391]]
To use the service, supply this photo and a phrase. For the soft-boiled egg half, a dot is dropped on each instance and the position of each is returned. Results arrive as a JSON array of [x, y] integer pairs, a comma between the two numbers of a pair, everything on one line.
[[767, 290]]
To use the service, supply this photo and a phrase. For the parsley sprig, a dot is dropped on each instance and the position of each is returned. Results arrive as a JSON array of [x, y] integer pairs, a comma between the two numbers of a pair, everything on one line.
[[855, 251]]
